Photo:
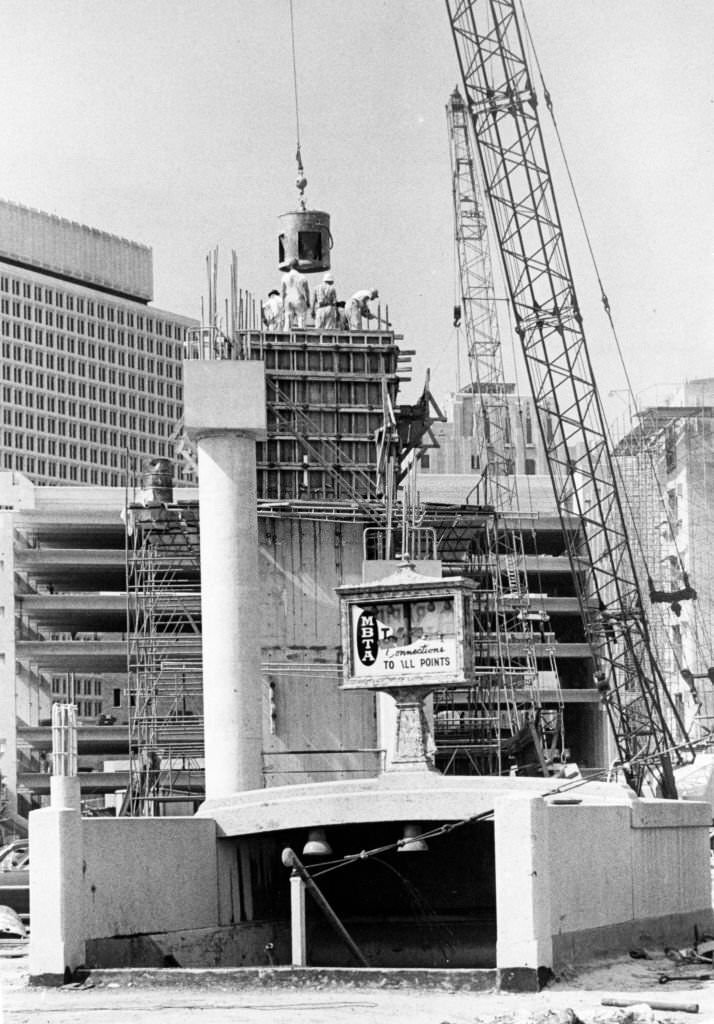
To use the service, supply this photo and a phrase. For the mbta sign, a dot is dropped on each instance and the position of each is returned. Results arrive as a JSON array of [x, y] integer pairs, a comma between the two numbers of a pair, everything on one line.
[[407, 629], [404, 638]]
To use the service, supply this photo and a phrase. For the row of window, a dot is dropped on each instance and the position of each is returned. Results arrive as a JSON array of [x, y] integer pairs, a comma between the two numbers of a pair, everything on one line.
[[46, 471], [21, 441], [45, 384], [502, 418], [101, 310], [30, 352], [89, 686], [74, 384], [49, 425]]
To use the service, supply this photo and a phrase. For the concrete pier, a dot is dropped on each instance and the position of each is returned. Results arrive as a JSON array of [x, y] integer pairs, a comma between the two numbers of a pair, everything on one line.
[[224, 414]]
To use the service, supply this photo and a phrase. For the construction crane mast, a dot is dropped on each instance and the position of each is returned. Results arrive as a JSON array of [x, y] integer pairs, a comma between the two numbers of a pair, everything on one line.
[[513, 689], [503, 109], [477, 311]]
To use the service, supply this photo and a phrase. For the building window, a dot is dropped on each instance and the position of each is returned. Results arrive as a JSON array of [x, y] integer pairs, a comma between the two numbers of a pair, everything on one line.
[[529, 427], [530, 467]]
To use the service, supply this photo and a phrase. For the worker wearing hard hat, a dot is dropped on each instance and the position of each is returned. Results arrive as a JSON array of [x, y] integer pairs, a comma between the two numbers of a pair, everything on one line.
[[324, 304], [295, 293], [272, 311], [358, 307], [343, 323]]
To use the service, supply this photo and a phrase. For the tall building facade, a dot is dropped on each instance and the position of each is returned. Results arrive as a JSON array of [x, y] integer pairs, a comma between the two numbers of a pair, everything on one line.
[[461, 438], [91, 373], [666, 463]]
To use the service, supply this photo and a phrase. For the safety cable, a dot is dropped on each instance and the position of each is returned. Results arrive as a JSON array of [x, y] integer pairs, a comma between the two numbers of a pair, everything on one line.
[[602, 774], [324, 867], [608, 311], [295, 83], [551, 110]]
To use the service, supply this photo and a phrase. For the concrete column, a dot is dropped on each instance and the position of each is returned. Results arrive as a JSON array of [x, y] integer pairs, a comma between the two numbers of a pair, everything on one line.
[[224, 413], [56, 897], [230, 611], [523, 926]]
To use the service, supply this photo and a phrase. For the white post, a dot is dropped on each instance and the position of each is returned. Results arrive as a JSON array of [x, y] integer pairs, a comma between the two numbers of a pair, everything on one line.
[[523, 922], [57, 946], [298, 921]]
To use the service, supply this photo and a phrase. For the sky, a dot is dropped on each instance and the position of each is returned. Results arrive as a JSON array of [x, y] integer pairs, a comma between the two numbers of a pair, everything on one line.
[[172, 122]]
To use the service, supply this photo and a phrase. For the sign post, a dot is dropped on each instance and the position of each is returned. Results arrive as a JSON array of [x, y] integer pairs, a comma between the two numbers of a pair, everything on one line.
[[405, 635]]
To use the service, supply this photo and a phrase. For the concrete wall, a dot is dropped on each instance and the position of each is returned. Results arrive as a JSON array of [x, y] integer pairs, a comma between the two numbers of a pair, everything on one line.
[[652, 876], [587, 879], [301, 563], [572, 881], [148, 875]]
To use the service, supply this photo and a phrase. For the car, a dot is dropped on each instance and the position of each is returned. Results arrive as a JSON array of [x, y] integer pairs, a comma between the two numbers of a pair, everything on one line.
[[15, 877]]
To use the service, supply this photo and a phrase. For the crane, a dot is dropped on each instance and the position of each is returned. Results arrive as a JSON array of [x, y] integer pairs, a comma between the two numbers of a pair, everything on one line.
[[503, 111], [477, 309], [512, 688]]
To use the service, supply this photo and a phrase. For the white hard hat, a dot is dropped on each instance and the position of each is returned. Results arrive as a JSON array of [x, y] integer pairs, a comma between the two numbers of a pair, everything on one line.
[[328, 278]]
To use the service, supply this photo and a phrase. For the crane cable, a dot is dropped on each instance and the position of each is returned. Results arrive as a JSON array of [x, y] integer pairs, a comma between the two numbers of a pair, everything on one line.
[[603, 295], [698, 615], [551, 110], [301, 180]]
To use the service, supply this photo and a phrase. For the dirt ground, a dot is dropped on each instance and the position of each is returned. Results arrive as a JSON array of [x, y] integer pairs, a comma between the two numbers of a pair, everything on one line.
[[581, 990]]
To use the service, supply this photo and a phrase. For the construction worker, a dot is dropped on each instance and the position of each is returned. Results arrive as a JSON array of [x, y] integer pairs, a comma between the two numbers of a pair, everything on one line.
[[272, 311], [295, 293], [324, 303], [342, 323], [357, 307]]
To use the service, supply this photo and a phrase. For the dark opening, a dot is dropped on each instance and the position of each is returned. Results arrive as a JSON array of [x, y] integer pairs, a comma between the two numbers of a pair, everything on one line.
[[310, 245], [431, 909]]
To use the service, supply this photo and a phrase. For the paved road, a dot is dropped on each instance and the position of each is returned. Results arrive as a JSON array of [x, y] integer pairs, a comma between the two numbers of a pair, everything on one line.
[[131, 1004]]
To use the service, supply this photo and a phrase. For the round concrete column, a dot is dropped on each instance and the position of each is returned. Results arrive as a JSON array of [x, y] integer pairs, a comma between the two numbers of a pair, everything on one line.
[[224, 413], [230, 609]]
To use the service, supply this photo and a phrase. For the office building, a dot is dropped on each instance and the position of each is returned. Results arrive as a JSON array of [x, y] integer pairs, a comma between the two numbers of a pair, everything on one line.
[[91, 373], [461, 438]]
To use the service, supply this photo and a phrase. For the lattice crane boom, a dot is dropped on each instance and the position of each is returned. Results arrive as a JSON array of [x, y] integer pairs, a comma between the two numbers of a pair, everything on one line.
[[478, 305], [503, 109], [514, 615]]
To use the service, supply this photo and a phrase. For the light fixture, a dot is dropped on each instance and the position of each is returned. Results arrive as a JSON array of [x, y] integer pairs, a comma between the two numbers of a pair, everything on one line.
[[317, 844], [410, 842]]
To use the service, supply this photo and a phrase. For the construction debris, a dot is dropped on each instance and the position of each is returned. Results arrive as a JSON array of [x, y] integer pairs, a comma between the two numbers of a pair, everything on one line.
[[643, 1009]]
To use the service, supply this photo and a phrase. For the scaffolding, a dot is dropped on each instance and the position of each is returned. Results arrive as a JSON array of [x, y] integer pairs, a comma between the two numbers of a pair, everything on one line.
[[666, 463], [500, 721], [324, 401], [165, 678], [511, 716]]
